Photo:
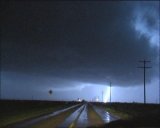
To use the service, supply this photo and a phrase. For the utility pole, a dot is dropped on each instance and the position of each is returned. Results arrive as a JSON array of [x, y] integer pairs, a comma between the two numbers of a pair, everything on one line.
[[110, 92], [0, 92], [159, 80], [144, 67]]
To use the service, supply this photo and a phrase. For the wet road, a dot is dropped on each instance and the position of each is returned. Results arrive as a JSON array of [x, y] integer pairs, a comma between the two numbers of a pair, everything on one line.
[[71, 120], [83, 118], [106, 116], [77, 116], [32, 122]]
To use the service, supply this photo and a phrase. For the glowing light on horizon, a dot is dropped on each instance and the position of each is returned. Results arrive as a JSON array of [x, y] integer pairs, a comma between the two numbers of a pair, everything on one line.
[[107, 95]]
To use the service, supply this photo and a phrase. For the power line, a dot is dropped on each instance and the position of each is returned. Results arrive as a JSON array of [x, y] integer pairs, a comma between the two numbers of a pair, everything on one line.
[[144, 67]]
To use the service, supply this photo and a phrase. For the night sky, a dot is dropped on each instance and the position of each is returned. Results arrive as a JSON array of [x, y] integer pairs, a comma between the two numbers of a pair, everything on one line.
[[77, 48]]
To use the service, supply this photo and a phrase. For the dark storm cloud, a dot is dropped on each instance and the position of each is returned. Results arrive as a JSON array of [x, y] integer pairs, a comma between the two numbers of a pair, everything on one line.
[[150, 11], [81, 41]]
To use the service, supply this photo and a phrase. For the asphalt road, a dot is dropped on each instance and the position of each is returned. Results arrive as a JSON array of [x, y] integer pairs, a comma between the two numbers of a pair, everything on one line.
[[77, 116]]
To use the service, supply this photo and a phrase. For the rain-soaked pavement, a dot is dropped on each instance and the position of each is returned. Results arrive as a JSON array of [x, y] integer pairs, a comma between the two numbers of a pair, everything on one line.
[[77, 119], [69, 122], [27, 124], [83, 118], [106, 116]]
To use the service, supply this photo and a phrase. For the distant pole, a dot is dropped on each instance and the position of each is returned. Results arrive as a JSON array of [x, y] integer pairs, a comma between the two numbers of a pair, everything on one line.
[[0, 92], [159, 83], [159, 77], [144, 72], [110, 92], [159, 67]]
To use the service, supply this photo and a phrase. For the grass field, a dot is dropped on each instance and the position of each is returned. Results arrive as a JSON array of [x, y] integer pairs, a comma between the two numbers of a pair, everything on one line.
[[12, 111], [135, 115]]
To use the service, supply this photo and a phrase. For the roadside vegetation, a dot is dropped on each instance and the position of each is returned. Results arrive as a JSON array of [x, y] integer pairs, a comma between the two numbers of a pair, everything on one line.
[[13, 111], [134, 115]]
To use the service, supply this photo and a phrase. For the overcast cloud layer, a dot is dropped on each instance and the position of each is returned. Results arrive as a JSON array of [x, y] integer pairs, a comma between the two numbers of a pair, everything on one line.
[[65, 44]]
